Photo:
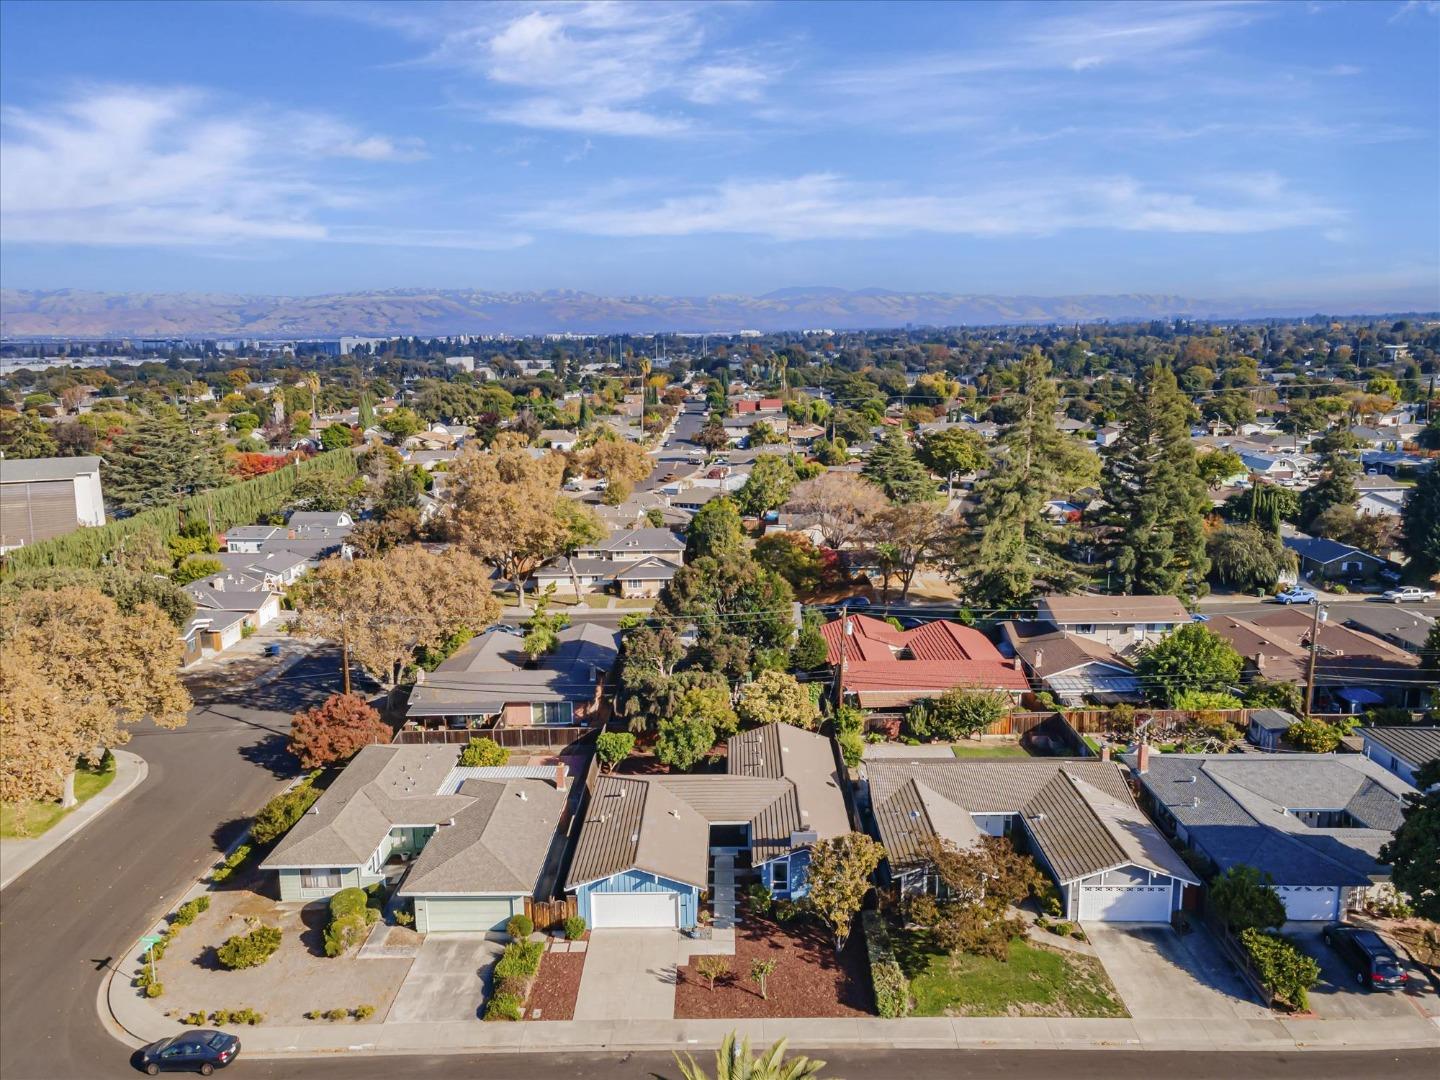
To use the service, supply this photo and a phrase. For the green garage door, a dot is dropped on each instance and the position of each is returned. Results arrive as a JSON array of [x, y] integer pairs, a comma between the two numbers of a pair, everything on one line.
[[461, 913]]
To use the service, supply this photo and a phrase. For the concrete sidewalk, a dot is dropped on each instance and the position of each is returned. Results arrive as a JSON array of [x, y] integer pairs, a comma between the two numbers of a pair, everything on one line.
[[18, 856]]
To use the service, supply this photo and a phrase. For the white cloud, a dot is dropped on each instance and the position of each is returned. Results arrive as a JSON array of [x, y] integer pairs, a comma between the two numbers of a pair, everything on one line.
[[167, 167], [553, 115], [824, 205]]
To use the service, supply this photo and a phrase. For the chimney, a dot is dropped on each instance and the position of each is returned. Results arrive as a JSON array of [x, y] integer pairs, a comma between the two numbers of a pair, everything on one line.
[[1105, 752], [1259, 661], [1039, 660], [1142, 759], [560, 777]]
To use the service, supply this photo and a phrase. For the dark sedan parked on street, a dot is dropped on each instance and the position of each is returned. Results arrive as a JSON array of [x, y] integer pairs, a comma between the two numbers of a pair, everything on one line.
[[1369, 956], [194, 1051]]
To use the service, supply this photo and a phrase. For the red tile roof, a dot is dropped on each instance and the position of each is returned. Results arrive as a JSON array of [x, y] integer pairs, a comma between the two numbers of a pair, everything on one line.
[[933, 657]]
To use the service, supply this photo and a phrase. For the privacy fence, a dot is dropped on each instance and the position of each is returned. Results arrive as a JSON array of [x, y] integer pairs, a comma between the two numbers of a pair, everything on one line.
[[221, 508]]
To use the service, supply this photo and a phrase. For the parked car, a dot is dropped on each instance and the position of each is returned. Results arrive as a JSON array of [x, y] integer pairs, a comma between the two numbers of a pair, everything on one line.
[[1369, 956], [1296, 594], [1408, 594], [201, 1051], [1196, 616], [854, 602]]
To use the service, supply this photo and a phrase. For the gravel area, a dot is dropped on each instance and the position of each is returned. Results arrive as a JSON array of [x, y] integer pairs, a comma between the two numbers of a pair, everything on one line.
[[808, 980]]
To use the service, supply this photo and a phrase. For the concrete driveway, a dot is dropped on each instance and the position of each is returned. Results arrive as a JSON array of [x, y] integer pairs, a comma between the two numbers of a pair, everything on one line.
[[1162, 975], [448, 980], [631, 974], [1338, 996]]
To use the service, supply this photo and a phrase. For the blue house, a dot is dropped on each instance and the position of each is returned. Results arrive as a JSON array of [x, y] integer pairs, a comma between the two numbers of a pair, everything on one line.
[[644, 853]]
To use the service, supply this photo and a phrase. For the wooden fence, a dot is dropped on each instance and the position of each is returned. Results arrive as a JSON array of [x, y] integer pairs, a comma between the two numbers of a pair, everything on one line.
[[528, 738], [550, 914]]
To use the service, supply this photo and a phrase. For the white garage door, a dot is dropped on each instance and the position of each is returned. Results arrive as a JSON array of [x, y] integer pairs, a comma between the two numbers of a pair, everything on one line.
[[636, 909], [1125, 903], [1310, 903]]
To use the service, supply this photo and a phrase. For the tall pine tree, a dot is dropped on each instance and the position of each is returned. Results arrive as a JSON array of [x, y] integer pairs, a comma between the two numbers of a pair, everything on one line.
[[159, 462], [1156, 496], [1336, 487], [1012, 546], [893, 466]]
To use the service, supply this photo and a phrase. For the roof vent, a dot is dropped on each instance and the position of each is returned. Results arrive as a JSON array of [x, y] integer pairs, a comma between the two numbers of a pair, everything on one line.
[[524, 797], [673, 813], [914, 815], [1186, 780], [1038, 818], [634, 837], [1194, 803]]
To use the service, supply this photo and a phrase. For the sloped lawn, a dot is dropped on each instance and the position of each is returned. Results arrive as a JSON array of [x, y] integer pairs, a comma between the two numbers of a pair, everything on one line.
[[1037, 981]]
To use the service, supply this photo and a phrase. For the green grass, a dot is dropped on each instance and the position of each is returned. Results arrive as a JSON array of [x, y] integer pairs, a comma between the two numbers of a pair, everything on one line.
[[1036, 981], [981, 751], [31, 819]]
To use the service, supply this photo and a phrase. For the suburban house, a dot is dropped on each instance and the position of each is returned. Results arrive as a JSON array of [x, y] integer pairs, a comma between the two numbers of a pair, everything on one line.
[[42, 498], [248, 539], [887, 670], [1381, 502], [490, 681], [1075, 670], [1314, 823], [1328, 560], [1267, 727], [1400, 749], [758, 405], [1077, 818], [633, 544], [226, 604], [635, 562], [558, 439], [1402, 627], [275, 568], [1120, 622], [644, 852], [470, 845]]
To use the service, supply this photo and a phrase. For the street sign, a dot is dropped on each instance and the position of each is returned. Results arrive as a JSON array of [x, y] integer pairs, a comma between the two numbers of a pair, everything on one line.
[[152, 939]]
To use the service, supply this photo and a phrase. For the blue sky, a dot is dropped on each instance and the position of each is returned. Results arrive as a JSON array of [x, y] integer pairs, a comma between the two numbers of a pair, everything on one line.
[[1213, 149]]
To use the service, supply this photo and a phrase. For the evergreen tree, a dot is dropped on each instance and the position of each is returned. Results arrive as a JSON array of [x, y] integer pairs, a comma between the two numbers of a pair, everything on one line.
[[159, 462], [716, 529], [1421, 518], [1156, 496], [892, 465], [1012, 545], [1336, 487]]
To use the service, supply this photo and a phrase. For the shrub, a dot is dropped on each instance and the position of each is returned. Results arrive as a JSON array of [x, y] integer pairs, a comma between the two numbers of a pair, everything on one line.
[[364, 1012], [349, 901], [761, 899], [246, 1016], [284, 810], [505, 1007], [1245, 899], [711, 967], [892, 989], [232, 863], [1049, 900], [574, 928], [344, 933], [189, 911], [519, 927], [613, 747], [337, 1014], [154, 990], [785, 910], [483, 753], [852, 747], [249, 950], [194, 1019], [521, 960], [1282, 969], [220, 1016], [404, 918]]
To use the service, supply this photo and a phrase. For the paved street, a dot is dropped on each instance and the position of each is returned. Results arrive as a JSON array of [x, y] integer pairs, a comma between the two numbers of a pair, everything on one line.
[[677, 447], [67, 917]]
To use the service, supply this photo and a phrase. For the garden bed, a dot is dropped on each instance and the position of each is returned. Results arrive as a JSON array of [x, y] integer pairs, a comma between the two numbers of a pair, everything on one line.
[[808, 980], [557, 986], [1036, 981]]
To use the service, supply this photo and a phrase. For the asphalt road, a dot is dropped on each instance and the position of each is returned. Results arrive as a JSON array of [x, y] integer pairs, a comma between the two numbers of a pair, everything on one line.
[[65, 920], [677, 447]]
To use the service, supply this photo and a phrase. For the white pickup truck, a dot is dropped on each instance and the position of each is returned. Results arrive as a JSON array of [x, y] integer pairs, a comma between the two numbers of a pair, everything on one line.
[[1408, 594]]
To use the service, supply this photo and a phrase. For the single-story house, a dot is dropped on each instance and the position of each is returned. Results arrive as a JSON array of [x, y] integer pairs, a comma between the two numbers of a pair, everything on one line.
[[888, 670], [1267, 727], [471, 843], [1400, 626], [1381, 503], [1402, 750], [1329, 560], [1121, 622], [558, 439], [759, 405], [247, 539], [1076, 670], [1314, 823], [276, 567], [490, 681], [643, 578], [226, 605], [1076, 817], [643, 855]]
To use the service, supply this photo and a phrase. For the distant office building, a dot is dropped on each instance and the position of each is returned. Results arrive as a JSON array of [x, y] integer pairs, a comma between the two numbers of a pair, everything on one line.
[[45, 497]]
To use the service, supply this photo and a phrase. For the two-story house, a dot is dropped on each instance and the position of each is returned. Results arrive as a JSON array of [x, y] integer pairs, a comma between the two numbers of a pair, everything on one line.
[[1122, 623]]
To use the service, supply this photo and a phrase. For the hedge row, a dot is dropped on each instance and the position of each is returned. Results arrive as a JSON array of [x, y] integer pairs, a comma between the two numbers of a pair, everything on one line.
[[892, 989], [1282, 968], [222, 508]]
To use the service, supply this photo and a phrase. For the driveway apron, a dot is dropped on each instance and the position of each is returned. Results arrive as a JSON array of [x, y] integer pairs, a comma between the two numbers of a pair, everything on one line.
[[448, 980]]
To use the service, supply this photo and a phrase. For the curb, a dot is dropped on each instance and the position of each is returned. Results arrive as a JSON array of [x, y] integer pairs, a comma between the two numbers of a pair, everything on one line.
[[78, 820]]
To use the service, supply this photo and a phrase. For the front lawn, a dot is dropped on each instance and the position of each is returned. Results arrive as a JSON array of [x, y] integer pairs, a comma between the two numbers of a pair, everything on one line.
[[1037, 981], [980, 750], [31, 819]]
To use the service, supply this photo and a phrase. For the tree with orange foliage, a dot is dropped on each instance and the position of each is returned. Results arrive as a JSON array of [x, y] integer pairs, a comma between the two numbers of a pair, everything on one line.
[[336, 730]]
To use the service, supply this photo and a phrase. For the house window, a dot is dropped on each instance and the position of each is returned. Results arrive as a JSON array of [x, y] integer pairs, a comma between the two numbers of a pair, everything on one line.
[[780, 876], [321, 879], [552, 712], [1085, 628]]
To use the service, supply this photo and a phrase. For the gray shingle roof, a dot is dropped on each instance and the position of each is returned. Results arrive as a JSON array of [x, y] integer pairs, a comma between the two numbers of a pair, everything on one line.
[[34, 470], [1272, 719]]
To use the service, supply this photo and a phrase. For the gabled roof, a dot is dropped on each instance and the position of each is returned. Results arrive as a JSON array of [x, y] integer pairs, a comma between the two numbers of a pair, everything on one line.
[[638, 540], [1318, 549], [650, 568], [1079, 813], [1050, 651], [886, 666], [1415, 745]]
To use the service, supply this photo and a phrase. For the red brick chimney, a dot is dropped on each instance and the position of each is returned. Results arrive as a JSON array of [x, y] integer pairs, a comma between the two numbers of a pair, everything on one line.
[[1142, 759]]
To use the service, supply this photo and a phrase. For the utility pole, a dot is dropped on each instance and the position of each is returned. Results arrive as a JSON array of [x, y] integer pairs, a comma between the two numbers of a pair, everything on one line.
[[1314, 649], [844, 657], [345, 652]]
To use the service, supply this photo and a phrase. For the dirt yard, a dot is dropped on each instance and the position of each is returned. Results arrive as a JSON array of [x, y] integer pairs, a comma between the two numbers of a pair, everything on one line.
[[297, 979], [557, 986]]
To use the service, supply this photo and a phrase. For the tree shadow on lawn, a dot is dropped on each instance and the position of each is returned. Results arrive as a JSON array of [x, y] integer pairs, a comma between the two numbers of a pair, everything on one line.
[[314, 917]]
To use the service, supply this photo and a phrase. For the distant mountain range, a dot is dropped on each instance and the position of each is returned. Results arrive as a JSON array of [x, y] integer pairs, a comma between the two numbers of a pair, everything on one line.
[[438, 312]]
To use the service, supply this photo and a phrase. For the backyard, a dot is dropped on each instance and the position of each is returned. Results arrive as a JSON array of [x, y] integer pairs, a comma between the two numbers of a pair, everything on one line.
[[31, 819], [988, 750], [1036, 981]]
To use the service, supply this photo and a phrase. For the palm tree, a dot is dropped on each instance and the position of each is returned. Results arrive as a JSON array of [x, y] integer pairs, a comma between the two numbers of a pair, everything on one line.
[[887, 560], [734, 1062], [312, 380]]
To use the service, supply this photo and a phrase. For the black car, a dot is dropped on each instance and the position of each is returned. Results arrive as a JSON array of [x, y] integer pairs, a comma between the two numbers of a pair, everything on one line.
[[1373, 960], [194, 1051]]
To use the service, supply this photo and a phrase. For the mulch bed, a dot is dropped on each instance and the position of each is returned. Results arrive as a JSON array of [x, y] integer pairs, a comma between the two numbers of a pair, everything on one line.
[[557, 986], [808, 980]]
